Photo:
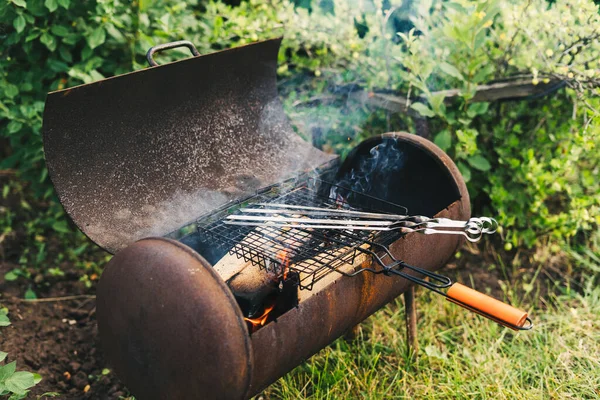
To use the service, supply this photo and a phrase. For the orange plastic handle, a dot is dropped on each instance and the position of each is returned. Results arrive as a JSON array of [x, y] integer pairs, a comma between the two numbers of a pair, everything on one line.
[[487, 306]]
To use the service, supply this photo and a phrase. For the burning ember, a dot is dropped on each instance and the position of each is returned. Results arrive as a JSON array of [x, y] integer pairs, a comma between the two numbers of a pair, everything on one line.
[[260, 321], [281, 297], [284, 259]]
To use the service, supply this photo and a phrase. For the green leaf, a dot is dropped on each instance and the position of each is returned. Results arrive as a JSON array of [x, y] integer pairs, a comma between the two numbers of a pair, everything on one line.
[[96, 38], [20, 3], [14, 126], [18, 396], [36, 7], [33, 35], [65, 54], [37, 378], [437, 103], [95, 75], [114, 32], [30, 294], [43, 175], [59, 30], [61, 226], [484, 73], [422, 109], [476, 109], [79, 250], [11, 90], [479, 162], [6, 371], [49, 41], [451, 70], [455, 6], [479, 39], [57, 66], [86, 53], [165, 19], [10, 276], [71, 39], [64, 3], [468, 93], [217, 25], [20, 381], [443, 140], [3, 356], [19, 23], [25, 205], [51, 5], [465, 171]]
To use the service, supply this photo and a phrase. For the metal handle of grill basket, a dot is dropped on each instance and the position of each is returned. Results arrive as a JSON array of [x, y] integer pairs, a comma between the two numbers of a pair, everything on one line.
[[168, 46], [488, 307]]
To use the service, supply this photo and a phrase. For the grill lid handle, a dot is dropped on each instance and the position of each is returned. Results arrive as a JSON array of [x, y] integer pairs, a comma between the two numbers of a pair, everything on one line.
[[168, 46]]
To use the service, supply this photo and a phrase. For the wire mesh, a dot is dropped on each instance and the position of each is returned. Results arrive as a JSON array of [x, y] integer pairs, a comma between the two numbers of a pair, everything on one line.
[[311, 253]]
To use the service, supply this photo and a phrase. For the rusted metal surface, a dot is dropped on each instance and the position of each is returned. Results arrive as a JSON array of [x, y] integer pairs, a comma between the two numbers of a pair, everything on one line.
[[323, 317], [142, 154], [169, 325]]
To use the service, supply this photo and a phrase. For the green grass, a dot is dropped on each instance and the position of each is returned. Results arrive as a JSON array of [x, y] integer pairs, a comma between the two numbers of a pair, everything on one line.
[[461, 355]]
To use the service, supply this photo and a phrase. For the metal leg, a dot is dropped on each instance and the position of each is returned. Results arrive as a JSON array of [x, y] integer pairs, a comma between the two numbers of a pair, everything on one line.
[[351, 334], [411, 323]]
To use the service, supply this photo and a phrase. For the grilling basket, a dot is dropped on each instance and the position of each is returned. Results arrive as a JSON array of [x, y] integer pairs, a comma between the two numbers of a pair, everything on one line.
[[240, 249]]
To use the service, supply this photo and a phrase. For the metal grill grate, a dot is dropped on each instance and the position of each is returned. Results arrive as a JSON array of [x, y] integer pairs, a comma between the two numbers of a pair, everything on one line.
[[312, 253]]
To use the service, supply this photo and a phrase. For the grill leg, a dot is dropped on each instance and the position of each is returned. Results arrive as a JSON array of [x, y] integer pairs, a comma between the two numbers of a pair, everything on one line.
[[352, 333], [411, 323]]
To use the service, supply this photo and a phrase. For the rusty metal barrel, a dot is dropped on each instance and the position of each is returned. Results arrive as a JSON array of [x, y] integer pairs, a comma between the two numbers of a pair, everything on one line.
[[171, 327]]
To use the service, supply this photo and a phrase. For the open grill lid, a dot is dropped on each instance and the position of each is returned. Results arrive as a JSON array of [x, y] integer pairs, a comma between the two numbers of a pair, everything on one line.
[[142, 154]]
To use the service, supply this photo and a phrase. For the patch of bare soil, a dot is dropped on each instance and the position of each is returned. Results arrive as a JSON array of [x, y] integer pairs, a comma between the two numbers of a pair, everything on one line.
[[57, 339]]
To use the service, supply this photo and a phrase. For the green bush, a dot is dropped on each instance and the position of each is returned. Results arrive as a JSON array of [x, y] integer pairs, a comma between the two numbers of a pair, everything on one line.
[[530, 163], [535, 160]]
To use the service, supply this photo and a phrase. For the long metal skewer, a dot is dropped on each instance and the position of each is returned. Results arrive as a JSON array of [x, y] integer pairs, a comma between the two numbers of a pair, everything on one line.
[[307, 210], [325, 211], [472, 236], [472, 229], [356, 222], [485, 224]]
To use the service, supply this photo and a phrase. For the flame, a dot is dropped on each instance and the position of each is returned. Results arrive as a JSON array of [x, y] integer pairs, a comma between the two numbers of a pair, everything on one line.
[[284, 259], [260, 321], [340, 201], [337, 197]]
